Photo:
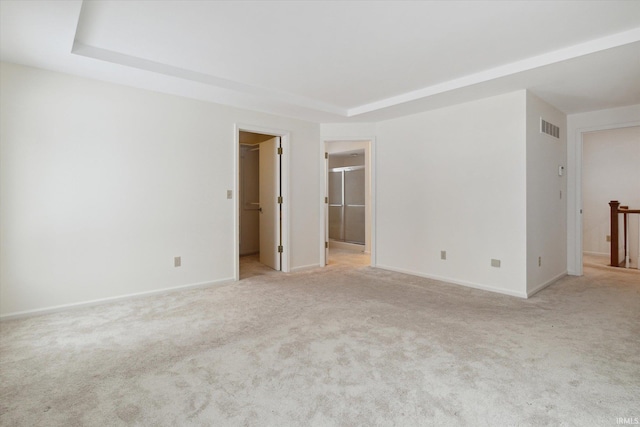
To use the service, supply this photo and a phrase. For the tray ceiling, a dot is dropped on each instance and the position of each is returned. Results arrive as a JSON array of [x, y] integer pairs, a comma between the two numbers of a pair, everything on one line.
[[339, 61]]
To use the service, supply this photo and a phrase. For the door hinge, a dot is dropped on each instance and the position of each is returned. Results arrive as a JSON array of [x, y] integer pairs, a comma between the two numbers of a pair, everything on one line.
[[326, 200], [280, 249], [280, 151], [326, 245], [326, 155], [280, 200]]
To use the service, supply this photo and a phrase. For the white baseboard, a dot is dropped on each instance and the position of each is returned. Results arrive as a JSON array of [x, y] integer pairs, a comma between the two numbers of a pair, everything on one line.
[[64, 307], [304, 267], [545, 284], [450, 281], [596, 253]]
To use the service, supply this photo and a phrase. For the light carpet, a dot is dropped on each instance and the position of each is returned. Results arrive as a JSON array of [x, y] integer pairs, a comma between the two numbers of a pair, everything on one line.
[[347, 345]]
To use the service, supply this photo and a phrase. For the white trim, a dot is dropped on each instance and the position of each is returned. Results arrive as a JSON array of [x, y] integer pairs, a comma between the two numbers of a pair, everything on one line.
[[100, 301], [450, 281], [305, 267], [261, 93], [545, 284], [534, 62], [596, 253], [224, 87], [579, 146], [577, 256], [285, 137], [372, 161], [324, 207]]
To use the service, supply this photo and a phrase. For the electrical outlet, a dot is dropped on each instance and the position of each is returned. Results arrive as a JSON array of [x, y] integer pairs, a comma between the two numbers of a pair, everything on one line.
[[443, 254], [229, 194], [608, 238], [495, 263], [539, 261], [177, 261]]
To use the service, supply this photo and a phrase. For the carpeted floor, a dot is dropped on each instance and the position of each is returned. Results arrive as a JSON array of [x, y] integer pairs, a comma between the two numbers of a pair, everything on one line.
[[344, 345]]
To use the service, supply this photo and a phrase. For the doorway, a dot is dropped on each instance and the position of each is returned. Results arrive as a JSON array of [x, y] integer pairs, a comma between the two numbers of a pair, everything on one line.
[[348, 203], [610, 161], [261, 214]]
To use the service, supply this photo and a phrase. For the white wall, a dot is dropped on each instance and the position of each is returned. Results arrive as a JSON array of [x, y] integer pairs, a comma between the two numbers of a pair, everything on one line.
[[102, 185], [347, 131], [577, 125], [454, 179], [546, 196], [610, 171], [342, 161], [249, 195]]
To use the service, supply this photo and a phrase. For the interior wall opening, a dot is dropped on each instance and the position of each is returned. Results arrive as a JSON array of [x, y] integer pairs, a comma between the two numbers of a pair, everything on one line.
[[348, 203], [610, 160], [347, 200]]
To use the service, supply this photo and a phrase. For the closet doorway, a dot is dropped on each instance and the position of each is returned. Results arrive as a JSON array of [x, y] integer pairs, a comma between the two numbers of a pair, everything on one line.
[[260, 202]]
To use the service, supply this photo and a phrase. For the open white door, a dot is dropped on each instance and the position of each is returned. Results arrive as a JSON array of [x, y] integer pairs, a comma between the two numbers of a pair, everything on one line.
[[326, 207], [269, 207], [633, 242]]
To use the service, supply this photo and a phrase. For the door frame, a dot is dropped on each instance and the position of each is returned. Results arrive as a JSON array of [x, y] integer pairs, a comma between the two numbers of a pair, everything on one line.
[[285, 265], [324, 211], [576, 210]]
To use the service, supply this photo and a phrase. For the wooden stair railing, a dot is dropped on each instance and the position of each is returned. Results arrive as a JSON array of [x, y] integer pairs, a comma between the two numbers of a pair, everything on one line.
[[616, 210]]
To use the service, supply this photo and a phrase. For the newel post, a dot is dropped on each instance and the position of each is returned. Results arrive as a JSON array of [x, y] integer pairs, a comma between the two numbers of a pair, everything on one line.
[[615, 262]]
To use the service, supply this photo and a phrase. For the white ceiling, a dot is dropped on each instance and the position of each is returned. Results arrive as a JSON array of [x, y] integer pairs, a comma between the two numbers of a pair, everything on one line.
[[339, 61]]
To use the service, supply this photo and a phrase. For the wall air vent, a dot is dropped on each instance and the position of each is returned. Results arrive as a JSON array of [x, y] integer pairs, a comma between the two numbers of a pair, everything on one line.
[[549, 129]]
